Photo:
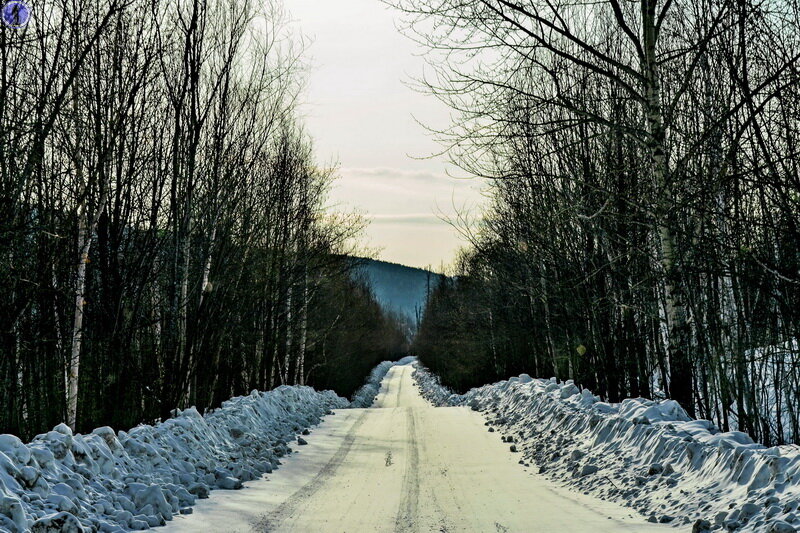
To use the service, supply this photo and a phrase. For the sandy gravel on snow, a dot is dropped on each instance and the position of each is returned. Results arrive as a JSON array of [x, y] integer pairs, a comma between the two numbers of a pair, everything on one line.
[[403, 465]]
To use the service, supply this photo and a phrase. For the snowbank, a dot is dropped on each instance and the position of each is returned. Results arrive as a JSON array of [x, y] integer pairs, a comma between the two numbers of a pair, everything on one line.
[[364, 396], [431, 388], [107, 481], [649, 455]]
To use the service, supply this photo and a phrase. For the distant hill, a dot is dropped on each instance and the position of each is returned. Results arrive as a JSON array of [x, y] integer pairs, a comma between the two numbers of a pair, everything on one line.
[[399, 288]]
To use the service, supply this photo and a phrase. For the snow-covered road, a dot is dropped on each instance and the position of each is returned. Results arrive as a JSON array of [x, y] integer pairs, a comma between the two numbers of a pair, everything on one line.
[[403, 465]]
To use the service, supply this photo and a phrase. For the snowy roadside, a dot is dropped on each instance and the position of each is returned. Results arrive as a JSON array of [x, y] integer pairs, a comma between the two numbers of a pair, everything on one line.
[[645, 454], [107, 481], [364, 396]]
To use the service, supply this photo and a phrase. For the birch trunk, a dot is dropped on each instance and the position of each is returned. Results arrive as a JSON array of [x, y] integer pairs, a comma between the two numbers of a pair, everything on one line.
[[23, 397], [680, 382], [206, 287], [299, 377], [74, 363], [492, 344], [288, 354], [183, 315], [86, 229]]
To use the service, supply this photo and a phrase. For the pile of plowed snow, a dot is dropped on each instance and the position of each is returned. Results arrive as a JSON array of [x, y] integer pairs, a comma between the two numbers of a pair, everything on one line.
[[107, 481], [365, 396], [648, 455]]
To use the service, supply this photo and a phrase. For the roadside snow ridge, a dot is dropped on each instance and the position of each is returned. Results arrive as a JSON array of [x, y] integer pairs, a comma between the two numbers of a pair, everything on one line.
[[111, 482], [647, 454]]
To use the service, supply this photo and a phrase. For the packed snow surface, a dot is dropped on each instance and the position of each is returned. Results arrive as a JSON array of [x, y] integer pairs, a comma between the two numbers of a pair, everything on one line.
[[647, 454], [120, 481]]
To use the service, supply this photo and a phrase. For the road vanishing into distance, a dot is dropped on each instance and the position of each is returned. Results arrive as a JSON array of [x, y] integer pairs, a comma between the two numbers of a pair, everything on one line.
[[404, 465]]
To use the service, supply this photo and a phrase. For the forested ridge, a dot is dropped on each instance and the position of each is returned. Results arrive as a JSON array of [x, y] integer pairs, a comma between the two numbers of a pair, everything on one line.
[[402, 289], [642, 235], [164, 240]]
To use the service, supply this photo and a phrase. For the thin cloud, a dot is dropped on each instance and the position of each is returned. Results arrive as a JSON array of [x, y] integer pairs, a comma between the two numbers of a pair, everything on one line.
[[405, 174], [428, 219], [431, 184]]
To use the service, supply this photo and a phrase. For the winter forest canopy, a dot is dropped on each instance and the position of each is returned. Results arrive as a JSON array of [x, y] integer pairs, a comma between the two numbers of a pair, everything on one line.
[[642, 236], [163, 237]]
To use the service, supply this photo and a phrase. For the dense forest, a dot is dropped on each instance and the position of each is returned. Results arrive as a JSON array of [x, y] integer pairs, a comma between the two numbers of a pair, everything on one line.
[[642, 237], [164, 240]]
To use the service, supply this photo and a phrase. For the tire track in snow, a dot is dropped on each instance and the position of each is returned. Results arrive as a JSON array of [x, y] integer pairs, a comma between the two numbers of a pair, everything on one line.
[[288, 508], [409, 503], [385, 389], [399, 388], [438, 514]]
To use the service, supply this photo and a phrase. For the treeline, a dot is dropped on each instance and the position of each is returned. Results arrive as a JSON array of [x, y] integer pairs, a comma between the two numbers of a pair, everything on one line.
[[163, 238], [642, 236]]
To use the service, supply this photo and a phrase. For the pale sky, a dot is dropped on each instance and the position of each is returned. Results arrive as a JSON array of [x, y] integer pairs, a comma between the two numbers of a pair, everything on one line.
[[361, 113]]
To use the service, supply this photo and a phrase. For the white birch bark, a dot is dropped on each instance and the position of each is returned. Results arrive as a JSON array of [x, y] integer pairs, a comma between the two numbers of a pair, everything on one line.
[[288, 355], [85, 231], [299, 378], [680, 378]]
